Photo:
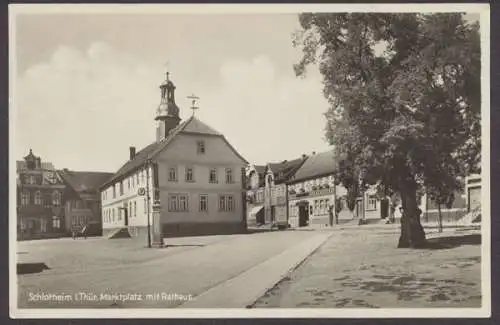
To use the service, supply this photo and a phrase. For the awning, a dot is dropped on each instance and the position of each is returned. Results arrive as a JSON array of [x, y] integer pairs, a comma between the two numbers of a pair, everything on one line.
[[256, 210]]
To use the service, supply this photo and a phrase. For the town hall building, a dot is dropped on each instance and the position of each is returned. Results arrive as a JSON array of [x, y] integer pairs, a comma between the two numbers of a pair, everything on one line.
[[191, 171]]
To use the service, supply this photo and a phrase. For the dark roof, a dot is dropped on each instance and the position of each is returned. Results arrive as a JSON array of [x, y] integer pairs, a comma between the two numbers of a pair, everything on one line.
[[191, 125], [319, 164], [284, 170], [84, 181]]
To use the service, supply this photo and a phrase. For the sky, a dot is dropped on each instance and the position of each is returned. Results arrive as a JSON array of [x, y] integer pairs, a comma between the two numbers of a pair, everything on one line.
[[87, 85]]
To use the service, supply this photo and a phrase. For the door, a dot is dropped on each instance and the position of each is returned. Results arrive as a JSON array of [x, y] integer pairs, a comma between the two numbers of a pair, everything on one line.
[[303, 215], [359, 208], [384, 208]]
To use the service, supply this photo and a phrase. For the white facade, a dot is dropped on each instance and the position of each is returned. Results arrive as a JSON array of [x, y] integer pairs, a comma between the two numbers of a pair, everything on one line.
[[125, 193]]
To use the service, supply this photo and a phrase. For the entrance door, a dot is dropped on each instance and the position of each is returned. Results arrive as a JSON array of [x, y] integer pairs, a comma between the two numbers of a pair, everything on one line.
[[384, 208], [303, 215], [359, 208]]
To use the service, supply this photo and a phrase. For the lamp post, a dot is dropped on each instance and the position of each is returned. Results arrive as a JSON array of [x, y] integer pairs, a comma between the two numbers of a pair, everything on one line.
[[148, 200]]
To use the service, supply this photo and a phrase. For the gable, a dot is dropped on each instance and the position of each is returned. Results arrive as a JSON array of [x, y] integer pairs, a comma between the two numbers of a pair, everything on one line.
[[184, 149]]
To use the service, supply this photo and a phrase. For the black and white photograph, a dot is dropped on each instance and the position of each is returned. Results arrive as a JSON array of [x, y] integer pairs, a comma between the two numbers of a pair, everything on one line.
[[180, 161]]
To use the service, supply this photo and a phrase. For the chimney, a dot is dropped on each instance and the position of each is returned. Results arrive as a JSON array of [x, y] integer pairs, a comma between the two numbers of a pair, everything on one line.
[[313, 153], [132, 152], [304, 156]]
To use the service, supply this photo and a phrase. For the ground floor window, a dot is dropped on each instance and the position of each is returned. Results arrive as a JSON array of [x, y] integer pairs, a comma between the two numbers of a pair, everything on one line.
[[226, 203], [56, 222], [372, 203], [178, 203], [203, 203]]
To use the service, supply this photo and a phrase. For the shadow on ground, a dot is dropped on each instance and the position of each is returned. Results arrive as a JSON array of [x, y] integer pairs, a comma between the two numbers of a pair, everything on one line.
[[29, 268], [452, 241]]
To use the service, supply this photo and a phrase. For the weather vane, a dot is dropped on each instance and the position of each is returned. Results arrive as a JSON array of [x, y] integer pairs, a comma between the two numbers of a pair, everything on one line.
[[194, 99]]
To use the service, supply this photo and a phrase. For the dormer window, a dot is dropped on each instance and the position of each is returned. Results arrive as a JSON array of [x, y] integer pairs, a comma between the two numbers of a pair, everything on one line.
[[201, 147]]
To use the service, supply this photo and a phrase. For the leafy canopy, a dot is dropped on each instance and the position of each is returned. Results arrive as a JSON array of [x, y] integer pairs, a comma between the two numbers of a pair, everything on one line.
[[404, 95]]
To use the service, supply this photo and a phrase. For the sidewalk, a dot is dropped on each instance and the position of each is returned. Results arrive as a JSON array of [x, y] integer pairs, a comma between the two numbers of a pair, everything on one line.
[[246, 288]]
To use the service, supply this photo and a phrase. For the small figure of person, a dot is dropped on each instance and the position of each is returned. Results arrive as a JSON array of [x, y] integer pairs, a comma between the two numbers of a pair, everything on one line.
[[84, 231]]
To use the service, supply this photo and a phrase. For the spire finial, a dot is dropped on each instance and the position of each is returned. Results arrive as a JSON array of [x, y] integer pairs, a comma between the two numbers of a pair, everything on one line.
[[194, 100], [167, 73]]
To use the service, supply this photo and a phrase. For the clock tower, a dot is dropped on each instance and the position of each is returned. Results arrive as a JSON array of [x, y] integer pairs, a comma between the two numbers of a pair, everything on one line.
[[167, 114]]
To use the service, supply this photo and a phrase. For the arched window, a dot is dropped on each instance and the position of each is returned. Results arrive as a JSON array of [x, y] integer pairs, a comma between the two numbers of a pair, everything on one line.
[[38, 198], [25, 198], [56, 199]]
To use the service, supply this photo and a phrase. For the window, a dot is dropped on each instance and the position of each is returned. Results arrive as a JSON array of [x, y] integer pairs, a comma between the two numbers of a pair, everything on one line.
[[229, 175], [38, 198], [56, 222], [137, 179], [189, 174], [135, 209], [372, 203], [183, 203], [114, 191], [322, 207], [145, 206], [316, 207], [133, 180], [43, 225], [121, 188], [213, 176], [25, 198], [201, 147], [56, 199], [120, 214], [178, 203], [226, 203], [203, 203], [172, 174], [128, 183], [113, 214], [129, 209], [31, 180]]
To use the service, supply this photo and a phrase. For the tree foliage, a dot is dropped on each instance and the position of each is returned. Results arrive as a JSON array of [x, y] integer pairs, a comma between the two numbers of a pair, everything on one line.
[[404, 95]]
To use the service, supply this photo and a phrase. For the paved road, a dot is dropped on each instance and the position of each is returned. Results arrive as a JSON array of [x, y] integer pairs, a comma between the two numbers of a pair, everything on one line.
[[160, 277]]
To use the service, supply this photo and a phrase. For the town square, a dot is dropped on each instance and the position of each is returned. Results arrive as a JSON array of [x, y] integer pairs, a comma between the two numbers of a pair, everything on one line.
[[308, 160]]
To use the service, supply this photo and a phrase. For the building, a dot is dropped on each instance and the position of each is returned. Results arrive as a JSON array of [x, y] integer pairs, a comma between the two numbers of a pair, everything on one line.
[[466, 201], [40, 199], [83, 202], [191, 170], [267, 191], [313, 192]]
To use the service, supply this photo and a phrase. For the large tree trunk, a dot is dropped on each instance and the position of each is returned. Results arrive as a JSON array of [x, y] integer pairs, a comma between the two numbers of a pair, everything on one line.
[[412, 233]]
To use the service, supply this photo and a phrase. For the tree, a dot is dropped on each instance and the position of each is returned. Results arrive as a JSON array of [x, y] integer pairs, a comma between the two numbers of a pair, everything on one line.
[[404, 97]]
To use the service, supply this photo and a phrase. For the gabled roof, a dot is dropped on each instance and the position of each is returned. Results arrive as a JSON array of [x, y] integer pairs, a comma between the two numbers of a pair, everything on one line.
[[319, 164], [191, 125], [84, 181], [284, 170]]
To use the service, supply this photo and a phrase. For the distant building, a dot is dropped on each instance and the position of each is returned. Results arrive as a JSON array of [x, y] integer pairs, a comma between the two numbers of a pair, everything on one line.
[[267, 191], [191, 170], [312, 194], [83, 201], [40, 199], [467, 200]]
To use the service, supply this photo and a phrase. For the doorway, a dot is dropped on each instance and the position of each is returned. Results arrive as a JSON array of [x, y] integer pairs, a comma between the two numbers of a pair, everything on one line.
[[303, 215], [384, 208]]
